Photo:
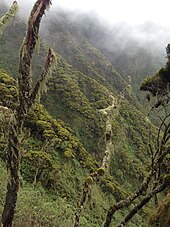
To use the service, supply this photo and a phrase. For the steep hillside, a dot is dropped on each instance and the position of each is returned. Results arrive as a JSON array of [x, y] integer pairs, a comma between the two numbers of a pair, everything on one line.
[[66, 132], [131, 53], [54, 166], [68, 40]]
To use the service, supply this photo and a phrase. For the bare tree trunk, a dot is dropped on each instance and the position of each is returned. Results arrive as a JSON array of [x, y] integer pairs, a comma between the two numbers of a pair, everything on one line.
[[26, 100], [13, 182]]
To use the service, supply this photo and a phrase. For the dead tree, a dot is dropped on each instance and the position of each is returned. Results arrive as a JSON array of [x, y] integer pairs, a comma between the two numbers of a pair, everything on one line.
[[26, 98]]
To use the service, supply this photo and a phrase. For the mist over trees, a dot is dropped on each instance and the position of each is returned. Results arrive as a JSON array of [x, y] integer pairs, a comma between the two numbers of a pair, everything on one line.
[[102, 160]]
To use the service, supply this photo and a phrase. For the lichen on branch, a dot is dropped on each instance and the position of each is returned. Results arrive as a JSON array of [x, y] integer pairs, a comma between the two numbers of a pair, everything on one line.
[[7, 18], [26, 98]]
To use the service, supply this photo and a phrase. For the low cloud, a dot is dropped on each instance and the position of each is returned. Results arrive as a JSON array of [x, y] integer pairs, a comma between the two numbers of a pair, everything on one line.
[[120, 19]]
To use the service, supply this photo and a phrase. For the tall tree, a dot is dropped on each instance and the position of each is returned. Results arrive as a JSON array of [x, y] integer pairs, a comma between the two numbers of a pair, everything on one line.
[[26, 98]]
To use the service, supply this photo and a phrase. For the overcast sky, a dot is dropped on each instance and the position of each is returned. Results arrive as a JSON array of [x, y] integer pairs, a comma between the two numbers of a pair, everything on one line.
[[131, 11]]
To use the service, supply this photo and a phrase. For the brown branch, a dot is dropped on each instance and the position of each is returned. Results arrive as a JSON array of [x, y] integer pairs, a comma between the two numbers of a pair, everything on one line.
[[126, 202], [13, 168], [84, 199], [49, 61], [25, 85], [157, 159], [144, 201], [27, 134], [25, 64], [163, 140]]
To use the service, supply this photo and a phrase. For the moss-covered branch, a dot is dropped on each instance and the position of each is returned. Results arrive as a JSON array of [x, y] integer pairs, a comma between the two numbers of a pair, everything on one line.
[[25, 103], [153, 178], [108, 114], [41, 83], [7, 18], [126, 202], [143, 202], [25, 64]]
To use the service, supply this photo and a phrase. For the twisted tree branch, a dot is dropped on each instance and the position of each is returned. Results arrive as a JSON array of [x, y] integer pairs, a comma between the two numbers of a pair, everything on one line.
[[25, 103]]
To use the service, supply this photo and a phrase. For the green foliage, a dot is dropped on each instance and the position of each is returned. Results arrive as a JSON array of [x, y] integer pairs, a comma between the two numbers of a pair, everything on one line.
[[73, 45], [8, 90], [39, 207], [37, 165], [35, 208], [154, 84], [45, 127], [78, 97], [160, 217], [55, 157], [129, 160], [158, 83], [44, 161]]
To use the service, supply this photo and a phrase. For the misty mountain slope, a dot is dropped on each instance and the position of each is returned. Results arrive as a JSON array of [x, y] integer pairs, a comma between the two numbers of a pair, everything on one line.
[[97, 51], [68, 40], [54, 167], [68, 135], [69, 100], [81, 95], [73, 96], [10, 43], [138, 64], [76, 99], [129, 49]]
